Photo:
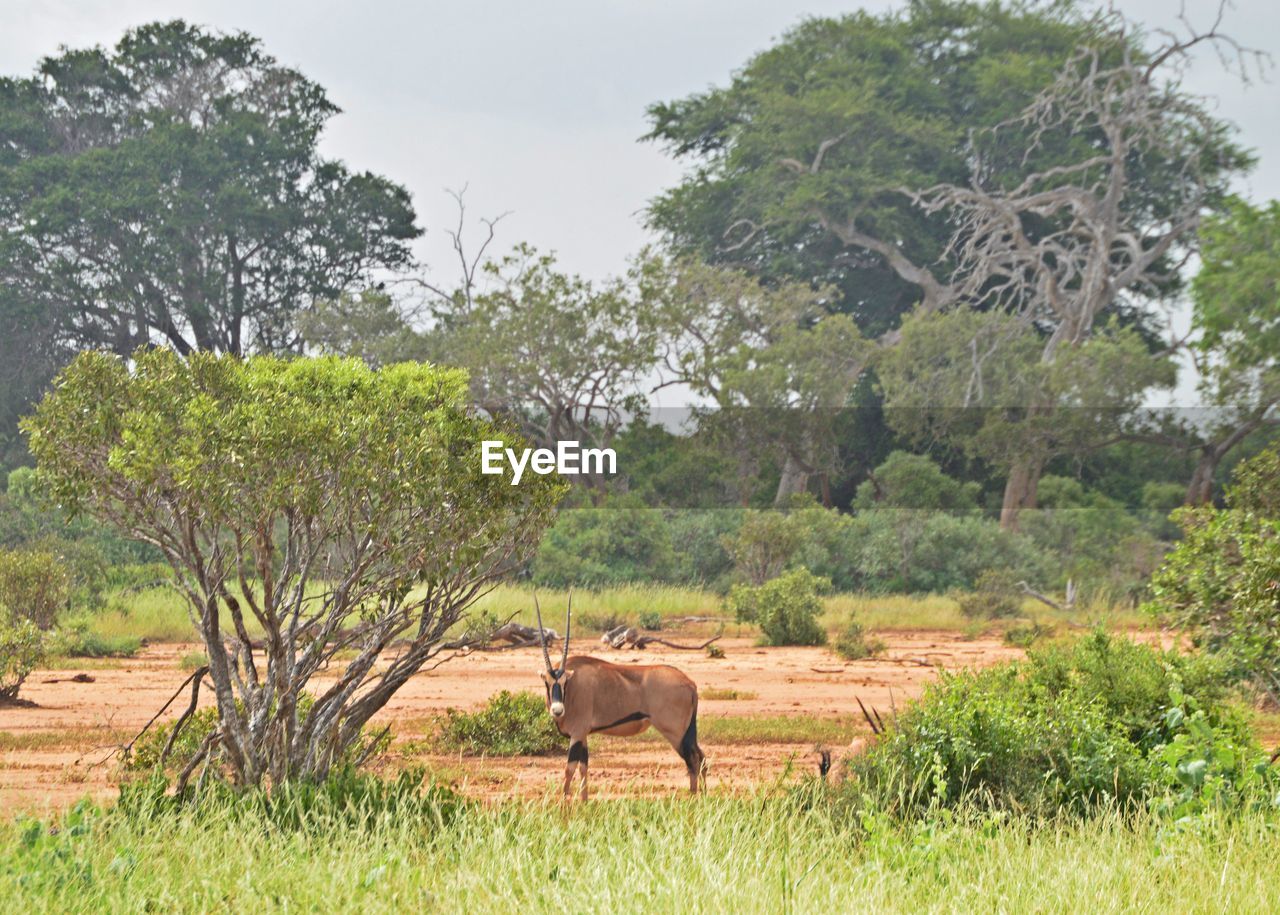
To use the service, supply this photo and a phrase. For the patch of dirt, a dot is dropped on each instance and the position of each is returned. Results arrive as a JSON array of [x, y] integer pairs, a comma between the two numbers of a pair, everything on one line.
[[784, 681]]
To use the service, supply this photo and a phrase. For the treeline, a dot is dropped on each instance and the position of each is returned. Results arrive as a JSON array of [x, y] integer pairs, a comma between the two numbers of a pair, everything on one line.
[[935, 230]]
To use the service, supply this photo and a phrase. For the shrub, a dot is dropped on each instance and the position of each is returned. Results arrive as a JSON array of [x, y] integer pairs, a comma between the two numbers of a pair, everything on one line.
[[34, 585], [651, 620], [715, 652], [509, 724], [615, 544], [906, 480], [76, 640], [1028, 635], [1071, 729], [22, 648], [345, 799], [764, 544], [995, 596], [852, 642], [785, 609], [895, 550], [1220, 584]]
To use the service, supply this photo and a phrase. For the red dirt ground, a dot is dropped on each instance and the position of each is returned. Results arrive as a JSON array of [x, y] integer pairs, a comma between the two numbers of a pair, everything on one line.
[[74, 725]]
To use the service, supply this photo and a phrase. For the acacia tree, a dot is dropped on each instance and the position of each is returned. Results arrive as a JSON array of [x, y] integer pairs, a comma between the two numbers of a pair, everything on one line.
[[338, 509], [171, 189]]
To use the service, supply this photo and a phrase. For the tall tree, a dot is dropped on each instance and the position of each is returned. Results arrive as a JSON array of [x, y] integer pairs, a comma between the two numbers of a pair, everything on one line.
[[170, 189], [797, 166], [774, 364], [1064, 183], [565, 358], [1236, 315]]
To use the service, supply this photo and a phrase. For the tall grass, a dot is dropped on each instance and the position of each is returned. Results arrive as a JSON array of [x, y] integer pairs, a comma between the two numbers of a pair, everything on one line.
[[714, 854]]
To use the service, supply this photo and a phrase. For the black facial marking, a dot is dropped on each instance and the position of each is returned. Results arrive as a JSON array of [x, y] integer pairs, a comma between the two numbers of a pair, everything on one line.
[[557, 692]]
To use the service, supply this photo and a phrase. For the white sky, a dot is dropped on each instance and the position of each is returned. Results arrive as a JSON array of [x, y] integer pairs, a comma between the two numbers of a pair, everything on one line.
[[537, 107]]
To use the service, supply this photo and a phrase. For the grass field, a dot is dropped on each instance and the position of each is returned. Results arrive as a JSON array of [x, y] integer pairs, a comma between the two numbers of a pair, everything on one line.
[[754, 853], [160, 615]]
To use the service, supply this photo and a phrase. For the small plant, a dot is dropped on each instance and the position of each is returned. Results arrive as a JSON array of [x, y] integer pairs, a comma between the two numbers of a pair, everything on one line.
[[725, 694], [601, 621], [995, 595], [1028, 635], [715, 652], [785, 609], [193, 660], [852, 642], [651, 620], [509, 724]]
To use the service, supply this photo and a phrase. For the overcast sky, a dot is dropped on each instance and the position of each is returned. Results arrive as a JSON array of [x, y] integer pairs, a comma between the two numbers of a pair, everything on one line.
[[538, 107]]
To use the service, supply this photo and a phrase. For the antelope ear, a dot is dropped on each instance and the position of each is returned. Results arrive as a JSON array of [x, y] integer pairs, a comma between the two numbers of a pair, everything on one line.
[[546, 677], [566, 676]]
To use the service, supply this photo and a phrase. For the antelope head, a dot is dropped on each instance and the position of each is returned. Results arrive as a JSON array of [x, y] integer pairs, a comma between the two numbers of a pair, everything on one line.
[[555, 678]]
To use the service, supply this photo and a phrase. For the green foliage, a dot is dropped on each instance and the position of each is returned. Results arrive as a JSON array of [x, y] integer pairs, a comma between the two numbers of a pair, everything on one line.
[[345, 801], [22, 648], [1220, 583], [651, 620], [1028, 635], [852, 642], [764, 544], [1093, 538], [509, 724], [34, 585], [785, 608], [355, 492], [995, 595], [907, 480], [260, 223], [1073, 729], [76, 639], [368, 326], [613, 544]]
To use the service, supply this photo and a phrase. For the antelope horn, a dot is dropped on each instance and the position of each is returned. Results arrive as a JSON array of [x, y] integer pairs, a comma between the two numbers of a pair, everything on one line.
[[568, 616], [867, 715], [542, 633]]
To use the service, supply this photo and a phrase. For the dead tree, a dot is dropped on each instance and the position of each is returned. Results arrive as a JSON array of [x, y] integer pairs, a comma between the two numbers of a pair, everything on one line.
[[1058, 238]]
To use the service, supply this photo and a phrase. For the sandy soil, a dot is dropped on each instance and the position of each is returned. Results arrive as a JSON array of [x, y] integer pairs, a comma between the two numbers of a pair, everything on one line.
[[73, 725]]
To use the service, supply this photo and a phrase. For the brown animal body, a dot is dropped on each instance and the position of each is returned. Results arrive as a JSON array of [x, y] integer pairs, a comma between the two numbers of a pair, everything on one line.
[[588, 696]]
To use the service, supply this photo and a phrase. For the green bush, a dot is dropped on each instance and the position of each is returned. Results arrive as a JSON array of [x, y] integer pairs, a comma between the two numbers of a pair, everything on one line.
[[995, 595], [1220, 584], [22, 648], [785, 609], [346, 799], [615, 544], [1103, 721], [75, 639], [34, 585], [906, 480], [1028, 635], [651, 620], [852, 642], [509, 724]]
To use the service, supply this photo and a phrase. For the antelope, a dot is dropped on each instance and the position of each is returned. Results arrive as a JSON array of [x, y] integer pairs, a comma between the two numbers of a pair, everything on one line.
[[588, 696], [857, 746]]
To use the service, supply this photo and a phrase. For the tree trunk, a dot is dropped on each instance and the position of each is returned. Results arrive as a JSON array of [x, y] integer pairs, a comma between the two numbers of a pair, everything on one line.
[[1020, 490], [1200, 489], [794, 479]]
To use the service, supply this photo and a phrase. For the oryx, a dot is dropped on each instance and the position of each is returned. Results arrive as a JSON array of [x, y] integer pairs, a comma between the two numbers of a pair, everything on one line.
[[588, 696]]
